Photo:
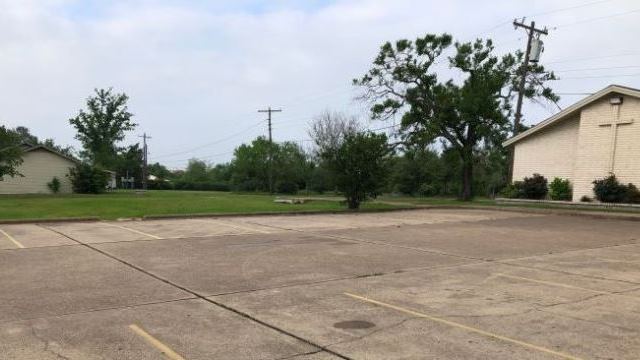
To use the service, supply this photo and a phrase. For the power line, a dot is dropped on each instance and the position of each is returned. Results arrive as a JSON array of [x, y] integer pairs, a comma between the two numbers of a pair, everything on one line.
[[597, 76], [544, 13], [600, 68], [596, 19], [569, 8], [210, 143], [201, 157], [590, 58]]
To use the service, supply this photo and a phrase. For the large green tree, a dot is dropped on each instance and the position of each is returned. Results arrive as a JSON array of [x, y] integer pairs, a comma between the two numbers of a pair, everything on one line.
[[463, 113], [10, 152], [250, 166], [360, 166], [102, 126]]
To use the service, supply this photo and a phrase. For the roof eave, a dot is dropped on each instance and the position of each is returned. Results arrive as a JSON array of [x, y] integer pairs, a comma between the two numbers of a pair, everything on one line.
[[571, 110]]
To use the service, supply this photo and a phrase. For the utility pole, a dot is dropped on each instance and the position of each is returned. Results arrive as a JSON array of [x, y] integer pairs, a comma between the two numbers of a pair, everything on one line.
[[145, 157], [531, 31], [269, 110]]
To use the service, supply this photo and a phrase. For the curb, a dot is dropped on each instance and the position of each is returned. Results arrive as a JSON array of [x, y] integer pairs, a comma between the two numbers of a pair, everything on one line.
[[568, 212], [50, 220], [268, 213]]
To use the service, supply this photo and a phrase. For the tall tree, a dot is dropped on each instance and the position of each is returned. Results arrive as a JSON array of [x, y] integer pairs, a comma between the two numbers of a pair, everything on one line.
[[102, 126], [463, 113], [10, 152]]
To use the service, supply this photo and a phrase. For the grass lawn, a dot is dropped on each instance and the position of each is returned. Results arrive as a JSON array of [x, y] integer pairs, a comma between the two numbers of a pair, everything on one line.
[[129, 204]]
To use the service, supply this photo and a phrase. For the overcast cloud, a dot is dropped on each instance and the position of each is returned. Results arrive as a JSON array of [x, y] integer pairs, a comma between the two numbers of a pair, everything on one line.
[[197, 71]]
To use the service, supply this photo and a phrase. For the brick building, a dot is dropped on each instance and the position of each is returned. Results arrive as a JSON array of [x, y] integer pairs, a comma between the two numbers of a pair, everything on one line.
[[588, 140]]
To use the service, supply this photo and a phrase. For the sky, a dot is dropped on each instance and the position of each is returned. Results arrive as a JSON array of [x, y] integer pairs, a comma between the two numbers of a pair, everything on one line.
[[197, 71]]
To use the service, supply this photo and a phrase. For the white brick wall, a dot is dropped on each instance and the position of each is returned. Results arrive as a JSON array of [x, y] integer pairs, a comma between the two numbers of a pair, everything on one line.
[[594, 145], [38, 167], [550, 152], [579, 149]]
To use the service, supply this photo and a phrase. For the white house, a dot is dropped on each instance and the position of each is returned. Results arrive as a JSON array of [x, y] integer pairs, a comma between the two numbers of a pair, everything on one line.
[[588, 140]]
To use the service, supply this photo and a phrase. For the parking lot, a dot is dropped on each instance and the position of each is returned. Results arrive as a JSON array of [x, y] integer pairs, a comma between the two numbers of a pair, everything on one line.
[[420, 284]]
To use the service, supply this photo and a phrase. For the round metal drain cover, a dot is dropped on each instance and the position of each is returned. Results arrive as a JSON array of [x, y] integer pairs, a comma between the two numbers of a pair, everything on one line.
[[354, 324]]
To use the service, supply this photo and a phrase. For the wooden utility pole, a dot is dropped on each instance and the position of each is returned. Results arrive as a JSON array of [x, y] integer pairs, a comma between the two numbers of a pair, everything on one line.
[[145, 157], [531, 31], [269, 110]]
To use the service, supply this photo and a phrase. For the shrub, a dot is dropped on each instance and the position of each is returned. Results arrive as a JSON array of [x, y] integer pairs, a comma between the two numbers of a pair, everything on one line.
[[88, 179], [287, 187], [428, 190], [633, 194], [611, 190], [585, 198], [534, 187], [560, 189], [512, 191], [54, 185]]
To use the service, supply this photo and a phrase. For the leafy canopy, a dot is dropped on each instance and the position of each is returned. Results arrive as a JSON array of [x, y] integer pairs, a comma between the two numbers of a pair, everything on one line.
[[463, 113], [360, 166], [102, 126], [10, 152]]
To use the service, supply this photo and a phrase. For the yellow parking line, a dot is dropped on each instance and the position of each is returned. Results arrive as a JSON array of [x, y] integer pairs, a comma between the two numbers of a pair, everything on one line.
[[16, 242], [567, 286], [464, 327], [134, 230], [166, 351]]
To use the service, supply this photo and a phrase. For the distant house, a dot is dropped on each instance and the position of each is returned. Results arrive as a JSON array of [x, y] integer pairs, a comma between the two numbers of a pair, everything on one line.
[[39, 166], [588, 140]]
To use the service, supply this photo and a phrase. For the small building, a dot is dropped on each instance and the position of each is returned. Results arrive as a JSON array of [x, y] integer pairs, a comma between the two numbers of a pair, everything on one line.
[[39, 166], [597, 136]]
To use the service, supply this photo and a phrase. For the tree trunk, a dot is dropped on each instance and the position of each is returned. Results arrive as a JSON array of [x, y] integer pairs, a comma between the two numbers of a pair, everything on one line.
[[467, 175], [353, 203]]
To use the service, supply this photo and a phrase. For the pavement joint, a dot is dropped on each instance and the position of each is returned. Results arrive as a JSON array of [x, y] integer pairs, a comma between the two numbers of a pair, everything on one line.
[[464, 327], [202, 297], [132, 306]]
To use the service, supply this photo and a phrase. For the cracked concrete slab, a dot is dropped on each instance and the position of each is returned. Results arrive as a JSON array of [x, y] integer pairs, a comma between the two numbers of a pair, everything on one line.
[[376, 220], [194, 329], [475, 295], [501, 239], [247, 262], [30, 235], [59, 280]]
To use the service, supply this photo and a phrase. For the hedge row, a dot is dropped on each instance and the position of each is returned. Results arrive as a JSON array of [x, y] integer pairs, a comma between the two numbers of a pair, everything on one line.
[[608, 190]]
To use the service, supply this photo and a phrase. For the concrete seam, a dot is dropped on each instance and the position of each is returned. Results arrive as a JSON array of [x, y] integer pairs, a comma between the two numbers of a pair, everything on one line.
[[202, 297]]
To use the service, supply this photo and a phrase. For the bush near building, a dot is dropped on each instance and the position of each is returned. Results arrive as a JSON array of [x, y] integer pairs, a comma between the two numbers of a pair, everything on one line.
[[610, 190], [88, 179], [560, 189]]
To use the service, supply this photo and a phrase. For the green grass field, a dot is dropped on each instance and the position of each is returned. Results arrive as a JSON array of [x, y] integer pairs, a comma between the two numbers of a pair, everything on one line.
[[129, 204]]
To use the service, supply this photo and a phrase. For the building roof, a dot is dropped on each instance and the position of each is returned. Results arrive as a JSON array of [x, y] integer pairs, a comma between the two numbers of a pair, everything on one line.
[[29, 147], [574, 109]]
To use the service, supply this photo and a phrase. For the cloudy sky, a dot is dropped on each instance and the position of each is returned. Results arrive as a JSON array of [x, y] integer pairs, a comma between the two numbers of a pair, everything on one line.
[[196, 71]]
